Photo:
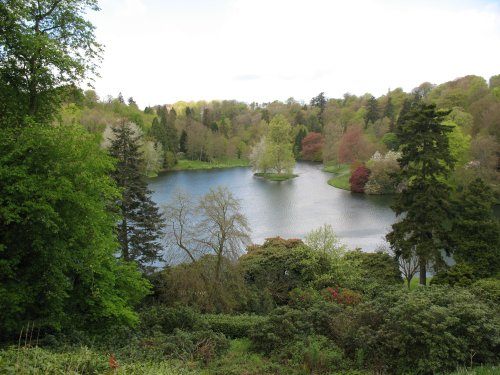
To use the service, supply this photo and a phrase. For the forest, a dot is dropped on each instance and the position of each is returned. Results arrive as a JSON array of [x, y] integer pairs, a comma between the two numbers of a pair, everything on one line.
[[81, 291]]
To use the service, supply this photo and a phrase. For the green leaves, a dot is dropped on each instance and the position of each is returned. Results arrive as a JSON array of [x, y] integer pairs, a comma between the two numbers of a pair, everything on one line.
[[57, 233]]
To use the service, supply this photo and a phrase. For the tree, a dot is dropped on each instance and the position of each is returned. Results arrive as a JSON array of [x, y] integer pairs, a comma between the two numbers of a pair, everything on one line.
[[359, 178], [297, 145], [58, 267], [280, 265], [274, 152], [372, 111], [152, 158], [353, 146], [44, 45], [139, 229], [324, 240], [214, 226], [475, 230], [382, 171], [183, 141], [312, 147], [389, 113], [425, 163], [320, 102]]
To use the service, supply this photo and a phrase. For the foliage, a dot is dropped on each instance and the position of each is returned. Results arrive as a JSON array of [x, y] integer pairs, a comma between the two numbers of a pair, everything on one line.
[[341, 296], [139, 229], [382, 171], [46, 45], [354, 146], [425, 161], [378, 269], [194, 284], [323, 240], [476, 231], [274, 152], [487, 290], [429, 330], [57, 233], [196, 164], [359, 178], [460, 274], [280, 265], [312, 147], [233, 326], [167, 319]]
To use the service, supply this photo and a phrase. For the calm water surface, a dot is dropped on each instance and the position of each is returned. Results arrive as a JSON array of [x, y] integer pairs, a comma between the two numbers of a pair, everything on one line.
[[290, 209]]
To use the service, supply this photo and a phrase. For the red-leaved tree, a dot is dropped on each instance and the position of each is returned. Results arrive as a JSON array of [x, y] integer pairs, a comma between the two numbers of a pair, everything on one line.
[[354, 146], [359, 178], [312, 147]]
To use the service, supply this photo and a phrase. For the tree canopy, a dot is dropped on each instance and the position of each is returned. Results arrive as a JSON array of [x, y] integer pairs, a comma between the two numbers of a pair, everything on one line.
[[45, 45]]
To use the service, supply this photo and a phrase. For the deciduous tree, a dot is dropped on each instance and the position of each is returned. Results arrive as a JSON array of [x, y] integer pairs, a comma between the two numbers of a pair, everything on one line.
[[58, 265], [45, 45], [312, 147]]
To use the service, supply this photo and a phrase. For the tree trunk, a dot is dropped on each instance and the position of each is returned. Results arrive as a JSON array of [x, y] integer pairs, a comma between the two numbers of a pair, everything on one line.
[[423, 271]]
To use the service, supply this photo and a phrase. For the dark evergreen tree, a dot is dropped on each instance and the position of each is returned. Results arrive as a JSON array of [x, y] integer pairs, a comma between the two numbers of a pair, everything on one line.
[[476, 232], [206, 117], [158, 132], [171, 140], [320, 102], [120, 98], [183, 142], [372, 111], [425, 200], [140, 227], [405, 109], [389, 113], [297, 144]]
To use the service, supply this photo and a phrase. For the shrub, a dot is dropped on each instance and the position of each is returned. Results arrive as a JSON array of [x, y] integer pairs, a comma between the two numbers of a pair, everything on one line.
[[303, 297], [428, 330], [233, 326], [167, 319], [315, 354], [487, 290], [359, 178], [459, 274], [341, 296]]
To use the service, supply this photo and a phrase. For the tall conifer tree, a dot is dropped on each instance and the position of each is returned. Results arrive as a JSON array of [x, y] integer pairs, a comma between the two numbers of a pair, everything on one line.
[[424, 202], [140, 227]]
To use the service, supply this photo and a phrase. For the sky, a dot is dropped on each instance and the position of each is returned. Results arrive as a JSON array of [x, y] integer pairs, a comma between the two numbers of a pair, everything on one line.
[[161, 52]]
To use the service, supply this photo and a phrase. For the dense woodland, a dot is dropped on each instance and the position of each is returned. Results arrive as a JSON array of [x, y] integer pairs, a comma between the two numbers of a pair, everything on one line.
[[80, 238]]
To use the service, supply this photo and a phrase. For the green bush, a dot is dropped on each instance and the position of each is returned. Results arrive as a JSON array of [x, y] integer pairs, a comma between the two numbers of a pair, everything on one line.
[[429, 330], [487, 290], [286, 325], [460, 274], [305, 297], [315, 354], [233, 326], [167, 319]]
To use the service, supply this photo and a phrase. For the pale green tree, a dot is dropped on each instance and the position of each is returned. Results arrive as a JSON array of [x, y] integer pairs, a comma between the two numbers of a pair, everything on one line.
[[279, 147]]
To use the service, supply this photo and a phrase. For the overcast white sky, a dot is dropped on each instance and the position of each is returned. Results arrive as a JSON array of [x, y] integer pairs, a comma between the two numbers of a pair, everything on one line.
[[263, 50]]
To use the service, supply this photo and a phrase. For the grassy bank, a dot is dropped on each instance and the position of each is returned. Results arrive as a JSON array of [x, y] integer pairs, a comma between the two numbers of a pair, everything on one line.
[[276, 176], [342, 173], [185, 164]]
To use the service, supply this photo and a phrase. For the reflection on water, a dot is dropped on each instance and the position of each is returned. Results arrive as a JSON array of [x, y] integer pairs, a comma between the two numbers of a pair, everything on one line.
[[290, 208]]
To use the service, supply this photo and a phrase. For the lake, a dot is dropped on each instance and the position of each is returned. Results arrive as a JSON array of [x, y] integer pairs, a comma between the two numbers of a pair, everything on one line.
[[292, 208]]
